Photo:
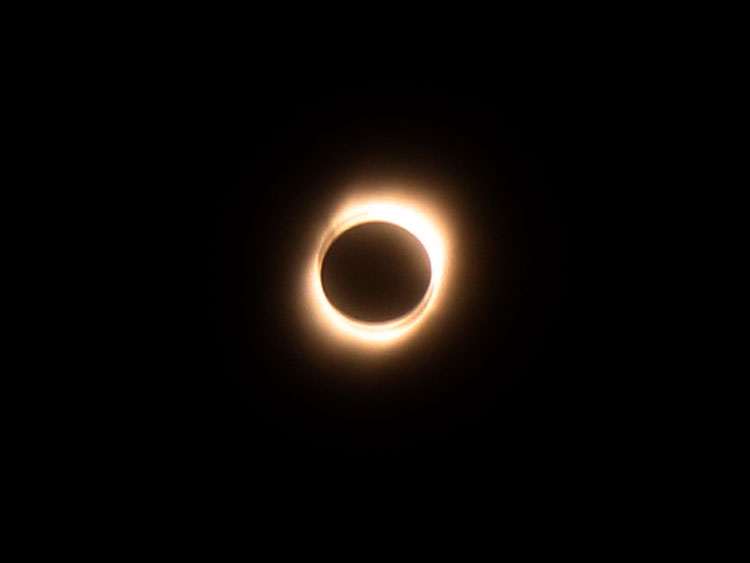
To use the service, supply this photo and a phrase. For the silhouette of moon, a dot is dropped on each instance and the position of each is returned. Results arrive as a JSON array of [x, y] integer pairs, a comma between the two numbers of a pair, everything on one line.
[[375, 272]]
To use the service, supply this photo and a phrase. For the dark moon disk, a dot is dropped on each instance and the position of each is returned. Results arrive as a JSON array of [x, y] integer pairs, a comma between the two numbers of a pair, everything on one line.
[[375, 272]]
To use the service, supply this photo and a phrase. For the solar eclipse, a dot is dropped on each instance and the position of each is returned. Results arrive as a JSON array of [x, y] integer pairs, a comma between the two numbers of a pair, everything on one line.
[[378, 270], [396, 269]]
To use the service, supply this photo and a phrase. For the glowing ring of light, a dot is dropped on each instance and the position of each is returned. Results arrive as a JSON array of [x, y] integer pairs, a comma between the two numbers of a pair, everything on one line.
[[408, 216]]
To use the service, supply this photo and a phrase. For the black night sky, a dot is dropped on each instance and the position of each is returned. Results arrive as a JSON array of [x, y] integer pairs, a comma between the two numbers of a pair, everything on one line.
[[522, 365]]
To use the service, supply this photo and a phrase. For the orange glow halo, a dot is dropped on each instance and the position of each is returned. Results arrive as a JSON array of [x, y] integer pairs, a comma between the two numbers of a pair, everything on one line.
[[420, 220]]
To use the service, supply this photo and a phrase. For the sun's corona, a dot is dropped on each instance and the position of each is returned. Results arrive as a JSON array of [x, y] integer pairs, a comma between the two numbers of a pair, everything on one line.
[[416, 218]]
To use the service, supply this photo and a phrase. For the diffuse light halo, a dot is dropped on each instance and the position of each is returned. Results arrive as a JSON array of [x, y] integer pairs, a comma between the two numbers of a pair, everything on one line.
[[411, 216]]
